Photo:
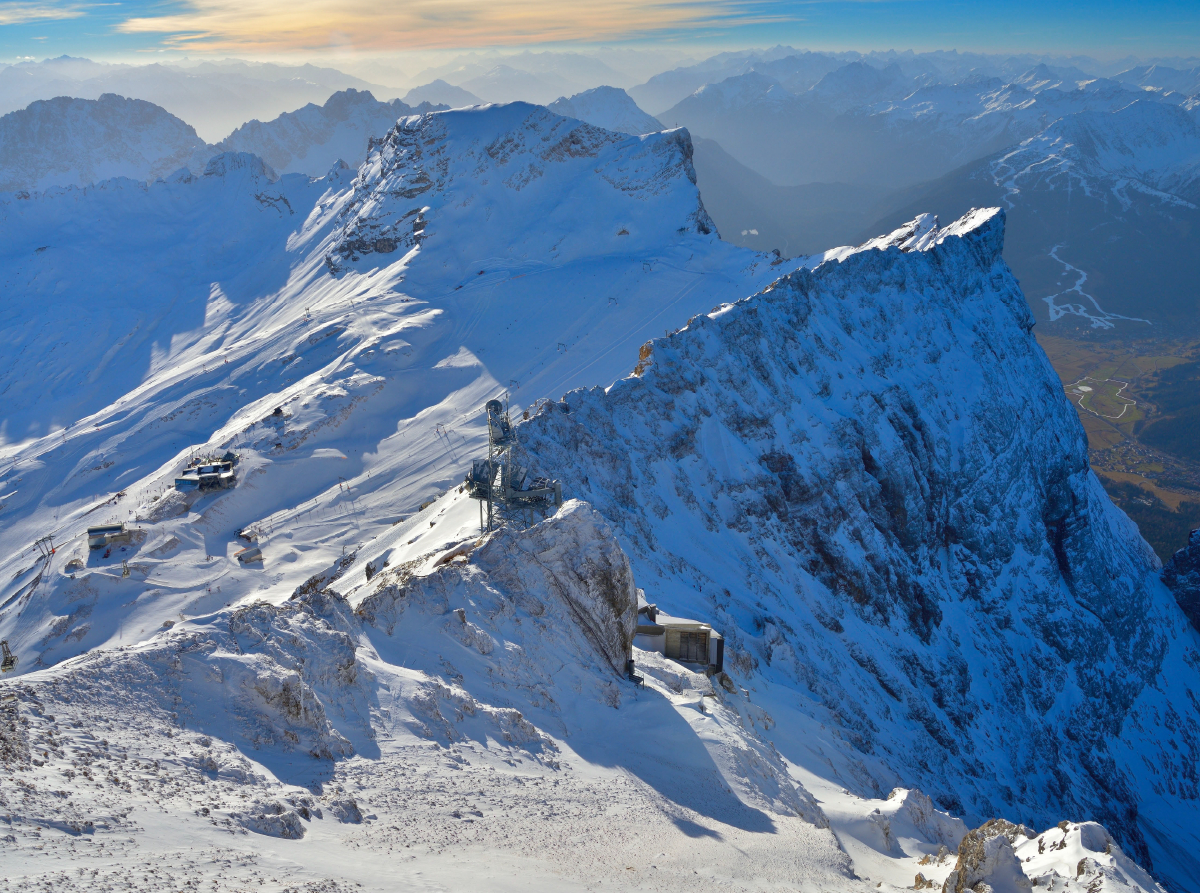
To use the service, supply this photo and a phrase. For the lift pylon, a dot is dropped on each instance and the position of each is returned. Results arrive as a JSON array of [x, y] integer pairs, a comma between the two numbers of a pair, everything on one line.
[[9, 662], [501, 484]]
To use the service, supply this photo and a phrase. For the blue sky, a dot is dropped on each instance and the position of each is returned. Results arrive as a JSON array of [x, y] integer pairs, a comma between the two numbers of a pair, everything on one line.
[[271, 28]]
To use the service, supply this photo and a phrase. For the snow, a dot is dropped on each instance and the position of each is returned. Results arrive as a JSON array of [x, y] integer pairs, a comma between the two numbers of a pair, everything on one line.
[[312, 139], [215, 305], [65, 142], [750, 89], [783, 467], [1148, 146], [462, 715]]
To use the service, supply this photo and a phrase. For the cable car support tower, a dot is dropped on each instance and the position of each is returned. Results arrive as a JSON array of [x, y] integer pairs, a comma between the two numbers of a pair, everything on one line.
[[501, 485]]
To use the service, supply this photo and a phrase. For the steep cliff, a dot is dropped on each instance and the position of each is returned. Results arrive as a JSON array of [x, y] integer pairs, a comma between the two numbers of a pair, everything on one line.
[[867, 475]]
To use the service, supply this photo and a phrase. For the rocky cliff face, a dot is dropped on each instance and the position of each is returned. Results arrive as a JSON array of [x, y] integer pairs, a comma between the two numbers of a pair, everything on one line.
[[868, 477], [1182, 576]]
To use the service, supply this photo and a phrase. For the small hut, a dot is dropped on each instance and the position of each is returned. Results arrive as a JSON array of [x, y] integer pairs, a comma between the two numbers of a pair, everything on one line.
[[691, 642], [105, 535]]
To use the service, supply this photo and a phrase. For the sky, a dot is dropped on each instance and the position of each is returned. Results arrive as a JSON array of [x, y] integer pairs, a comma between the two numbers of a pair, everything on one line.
[[133, 30]]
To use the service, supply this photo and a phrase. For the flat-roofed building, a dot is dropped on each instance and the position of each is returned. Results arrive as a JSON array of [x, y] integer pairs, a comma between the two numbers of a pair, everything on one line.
[[687, 641], [106, 534]]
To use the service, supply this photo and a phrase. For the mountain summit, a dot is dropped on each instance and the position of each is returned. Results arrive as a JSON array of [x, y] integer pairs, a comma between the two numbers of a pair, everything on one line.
[[74, 142]]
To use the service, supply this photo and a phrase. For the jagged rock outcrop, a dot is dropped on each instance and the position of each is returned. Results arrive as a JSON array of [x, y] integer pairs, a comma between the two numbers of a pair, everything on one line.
[[986, 857], [1182, 576], [577, 559], [572, 558], [246, 164]]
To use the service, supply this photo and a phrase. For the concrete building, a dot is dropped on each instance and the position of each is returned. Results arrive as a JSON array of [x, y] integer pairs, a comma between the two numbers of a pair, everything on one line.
[[106, 534], [209, 475], [690, 642]]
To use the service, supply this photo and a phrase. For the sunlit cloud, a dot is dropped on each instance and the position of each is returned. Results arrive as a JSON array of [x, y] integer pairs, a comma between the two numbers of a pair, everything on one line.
[[275, 25], [21, 13]]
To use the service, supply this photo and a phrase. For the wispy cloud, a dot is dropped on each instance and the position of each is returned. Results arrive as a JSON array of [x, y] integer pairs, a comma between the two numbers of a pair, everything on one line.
[[282, 25], [21, 13]]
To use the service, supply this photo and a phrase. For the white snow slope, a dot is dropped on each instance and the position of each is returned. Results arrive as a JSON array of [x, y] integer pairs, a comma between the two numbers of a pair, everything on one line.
[[65, 142], [184, 313], [193, 718]]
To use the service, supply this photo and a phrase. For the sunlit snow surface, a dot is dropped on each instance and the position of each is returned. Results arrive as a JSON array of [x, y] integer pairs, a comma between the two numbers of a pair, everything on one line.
[[459, 721]]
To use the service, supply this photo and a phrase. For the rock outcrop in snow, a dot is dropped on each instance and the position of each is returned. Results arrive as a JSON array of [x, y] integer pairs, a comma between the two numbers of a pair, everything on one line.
[[572, 559], [986, 857], [1072, 857], [868, 477], [74, 142]]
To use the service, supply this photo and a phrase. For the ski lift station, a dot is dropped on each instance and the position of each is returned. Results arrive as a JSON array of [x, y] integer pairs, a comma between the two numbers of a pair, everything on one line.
[[106, 534], [208, 474], [687, 641], [507, 495]]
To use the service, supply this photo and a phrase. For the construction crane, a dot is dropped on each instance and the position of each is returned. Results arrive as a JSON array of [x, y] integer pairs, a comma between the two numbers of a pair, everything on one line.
[[10, 660], [502, 485]]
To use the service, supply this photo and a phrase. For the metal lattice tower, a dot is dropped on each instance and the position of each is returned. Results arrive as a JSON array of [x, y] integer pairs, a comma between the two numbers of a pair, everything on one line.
[[502, 485], [9, 662]]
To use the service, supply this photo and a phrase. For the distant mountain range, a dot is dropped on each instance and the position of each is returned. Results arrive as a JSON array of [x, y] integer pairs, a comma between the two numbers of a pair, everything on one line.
[[214, 97], [440, 93], [607, 107], [861, 125], [1104, 215], [64, 141], [311, 139], [794, 151]]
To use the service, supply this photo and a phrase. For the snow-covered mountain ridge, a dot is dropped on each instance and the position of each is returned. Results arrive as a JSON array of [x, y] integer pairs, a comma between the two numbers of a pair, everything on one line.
[[313, 138], [65, 141], [423, 177], [246, 313], [869, 477], [1148, 147], [210, 303]]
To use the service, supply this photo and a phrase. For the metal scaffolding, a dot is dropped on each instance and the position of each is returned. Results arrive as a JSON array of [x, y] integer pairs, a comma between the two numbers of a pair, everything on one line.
[[504, 486]]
